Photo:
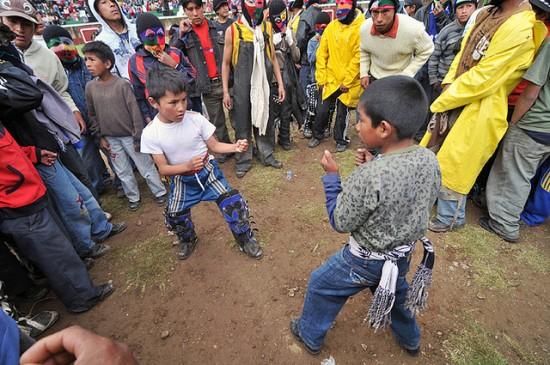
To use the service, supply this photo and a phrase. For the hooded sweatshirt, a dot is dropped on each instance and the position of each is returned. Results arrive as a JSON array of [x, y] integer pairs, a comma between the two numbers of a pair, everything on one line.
[[123, 45]]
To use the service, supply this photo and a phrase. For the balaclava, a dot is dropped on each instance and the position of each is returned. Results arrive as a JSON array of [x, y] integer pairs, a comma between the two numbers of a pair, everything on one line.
[[345, 10], [59, 40], [278, 15], [321, 22], [253, 11], [151, 33]]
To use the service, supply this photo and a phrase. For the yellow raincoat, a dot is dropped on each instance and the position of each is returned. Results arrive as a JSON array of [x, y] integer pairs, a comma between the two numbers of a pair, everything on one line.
[[483, 92], [338, 60]]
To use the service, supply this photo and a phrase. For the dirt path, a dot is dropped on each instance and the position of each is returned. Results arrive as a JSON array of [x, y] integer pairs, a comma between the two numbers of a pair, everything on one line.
[[488, 304]]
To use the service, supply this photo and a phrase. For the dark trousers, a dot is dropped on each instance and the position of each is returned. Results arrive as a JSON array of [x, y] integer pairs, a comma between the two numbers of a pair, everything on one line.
[[72, 161], [41, 241], [323, 116], [12, 273]]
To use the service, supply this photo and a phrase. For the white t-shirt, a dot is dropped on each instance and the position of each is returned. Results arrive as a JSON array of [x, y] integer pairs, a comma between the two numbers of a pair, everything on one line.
[[179, 142]]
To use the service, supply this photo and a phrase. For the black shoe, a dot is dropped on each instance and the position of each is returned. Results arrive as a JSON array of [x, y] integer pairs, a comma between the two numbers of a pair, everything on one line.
[[341, 147], [240, 173], [116, 229], [485, 223], [133, 206], [284, 145], [160, 200], [98, 250], [248, 244], [37, 324], [276, 164], [313, 142], [187, 248], [105, 290], [296, 332], [35, 293]]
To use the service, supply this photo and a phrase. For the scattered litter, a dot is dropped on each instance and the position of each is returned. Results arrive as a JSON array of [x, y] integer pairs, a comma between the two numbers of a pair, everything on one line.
[[292, 291], [480, 296], [364, 347], [329, 361], [165, 334]]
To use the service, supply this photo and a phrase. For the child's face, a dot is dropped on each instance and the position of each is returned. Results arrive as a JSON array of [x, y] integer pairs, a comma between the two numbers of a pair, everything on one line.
[[171, 107], [96, 65], [464, 11], [367, 133]]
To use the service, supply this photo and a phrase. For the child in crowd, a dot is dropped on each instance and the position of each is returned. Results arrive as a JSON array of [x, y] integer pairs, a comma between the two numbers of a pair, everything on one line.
[[60, 41], [385, 204], [153, 53], [312, 92], [179, 141], [447, 44], [117, 122]]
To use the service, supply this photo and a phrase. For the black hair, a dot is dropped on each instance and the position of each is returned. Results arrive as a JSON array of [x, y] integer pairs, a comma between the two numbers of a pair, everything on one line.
[[101, 50], [165, 79], [400, 101], [184, 3]]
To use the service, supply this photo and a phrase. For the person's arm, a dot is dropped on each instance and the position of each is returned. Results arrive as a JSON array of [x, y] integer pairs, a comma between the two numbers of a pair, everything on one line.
[[139, 90], [442, 19], [525, 101], [134, 113], [18, 92], [509, 44], [322, 60], [226, 67], [422, 51], [196, 163], [433, 61], [94, 124], [278, 76], [312, 50], [301, 34], [219, 147]]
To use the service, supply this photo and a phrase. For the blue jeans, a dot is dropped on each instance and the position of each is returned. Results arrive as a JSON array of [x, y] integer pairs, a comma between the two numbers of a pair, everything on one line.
[[79, 211], [451, 211], [93, 162], [342, 276]]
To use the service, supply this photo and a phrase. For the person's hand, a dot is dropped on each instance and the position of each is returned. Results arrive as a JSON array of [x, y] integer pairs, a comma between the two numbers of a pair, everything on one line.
[[227, 101], [343, 89], [166, 59], [438, 8], [329, 165], [241, 145], [298, 66], [80, 121], [281, 94], [364, 82], [47, 157], [137, 146], [79, 346], [104, 145], [436, 86], [185, 27], [196, 163], [362, 155]]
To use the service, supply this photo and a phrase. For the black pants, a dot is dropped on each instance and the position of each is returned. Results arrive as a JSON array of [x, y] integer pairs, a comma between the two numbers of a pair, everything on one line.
[[41, 241], [323, 114], [72, 160], [12, 273]]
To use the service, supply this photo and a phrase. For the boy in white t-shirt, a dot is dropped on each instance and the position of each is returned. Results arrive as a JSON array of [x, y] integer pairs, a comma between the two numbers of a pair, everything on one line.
[[179, 140]]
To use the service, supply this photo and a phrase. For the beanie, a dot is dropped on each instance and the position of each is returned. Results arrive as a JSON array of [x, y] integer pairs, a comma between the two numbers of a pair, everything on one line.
[[218, 3], [147, 21], [276, 7], [55, 31]]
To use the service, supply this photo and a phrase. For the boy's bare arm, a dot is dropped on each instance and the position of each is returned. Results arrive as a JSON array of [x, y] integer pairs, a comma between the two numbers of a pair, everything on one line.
[[219, 147], [525, 101], [196, 163], [226, 67]]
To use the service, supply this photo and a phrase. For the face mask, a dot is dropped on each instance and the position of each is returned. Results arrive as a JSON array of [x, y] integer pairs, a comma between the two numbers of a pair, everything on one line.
[[255, 12], [343, 8], [153, 40], [279, 21], [64, 49], [320, 28]]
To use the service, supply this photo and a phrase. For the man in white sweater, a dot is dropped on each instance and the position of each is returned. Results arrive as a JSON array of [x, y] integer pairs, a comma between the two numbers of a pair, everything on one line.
[[391, 44]]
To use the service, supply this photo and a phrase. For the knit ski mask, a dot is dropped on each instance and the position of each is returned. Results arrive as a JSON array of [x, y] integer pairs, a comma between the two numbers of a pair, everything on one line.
[[321, 22], [59, 40], [278, 15], [343, 9], [151, 33], [253, 11]]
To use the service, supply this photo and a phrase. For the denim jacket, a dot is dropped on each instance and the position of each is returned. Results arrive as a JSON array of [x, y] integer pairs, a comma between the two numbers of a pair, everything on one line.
[[79, 76], [191, 46]]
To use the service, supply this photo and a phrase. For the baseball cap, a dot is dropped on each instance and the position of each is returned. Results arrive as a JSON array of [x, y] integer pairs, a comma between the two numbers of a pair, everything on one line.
[[218, 3], [543, 5], [460, 2], [19, 8]]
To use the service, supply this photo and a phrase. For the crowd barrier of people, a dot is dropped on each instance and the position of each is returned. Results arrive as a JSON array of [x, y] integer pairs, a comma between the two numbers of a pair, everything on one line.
[[452, 99]]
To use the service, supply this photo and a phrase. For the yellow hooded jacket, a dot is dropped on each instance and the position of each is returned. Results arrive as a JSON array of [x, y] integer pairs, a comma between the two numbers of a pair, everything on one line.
[[338, 60], [483, 92]]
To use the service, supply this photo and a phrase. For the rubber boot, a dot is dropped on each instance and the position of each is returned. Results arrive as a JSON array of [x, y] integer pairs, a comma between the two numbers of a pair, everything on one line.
[[182, 225], [236, 214]]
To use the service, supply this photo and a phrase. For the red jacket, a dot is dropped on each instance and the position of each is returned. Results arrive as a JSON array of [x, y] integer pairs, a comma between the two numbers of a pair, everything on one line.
[[22, 191]]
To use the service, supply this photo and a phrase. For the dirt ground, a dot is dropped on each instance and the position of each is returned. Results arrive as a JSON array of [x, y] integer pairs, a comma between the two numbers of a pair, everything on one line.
[[488, 303]]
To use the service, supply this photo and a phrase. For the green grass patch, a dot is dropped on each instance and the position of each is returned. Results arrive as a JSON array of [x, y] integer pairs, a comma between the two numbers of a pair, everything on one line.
[[533, 258], [147, 263], [473, 346], [479, 248], [310, 212], [346, 160], [525, 356]]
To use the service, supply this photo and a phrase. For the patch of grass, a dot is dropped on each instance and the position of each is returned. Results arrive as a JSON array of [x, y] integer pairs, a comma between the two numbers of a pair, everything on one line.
[[480, 248], [525, 356], [147, 263], [346, 160], [310, 212], [533, 258], [118, 207], [473, 346]]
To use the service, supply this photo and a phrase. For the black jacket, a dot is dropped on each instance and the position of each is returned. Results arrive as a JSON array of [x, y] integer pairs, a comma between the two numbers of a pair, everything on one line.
[[306, 30], [191, 46]]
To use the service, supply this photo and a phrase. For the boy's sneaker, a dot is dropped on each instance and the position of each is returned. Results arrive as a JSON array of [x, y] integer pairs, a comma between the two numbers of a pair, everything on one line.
[[98, 250], [116, 229], [436, 226], [341, 147], [37, 324], [187, 248], [313, 142], [160, 200], [105, 290], [133, 206], [294, 329]]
